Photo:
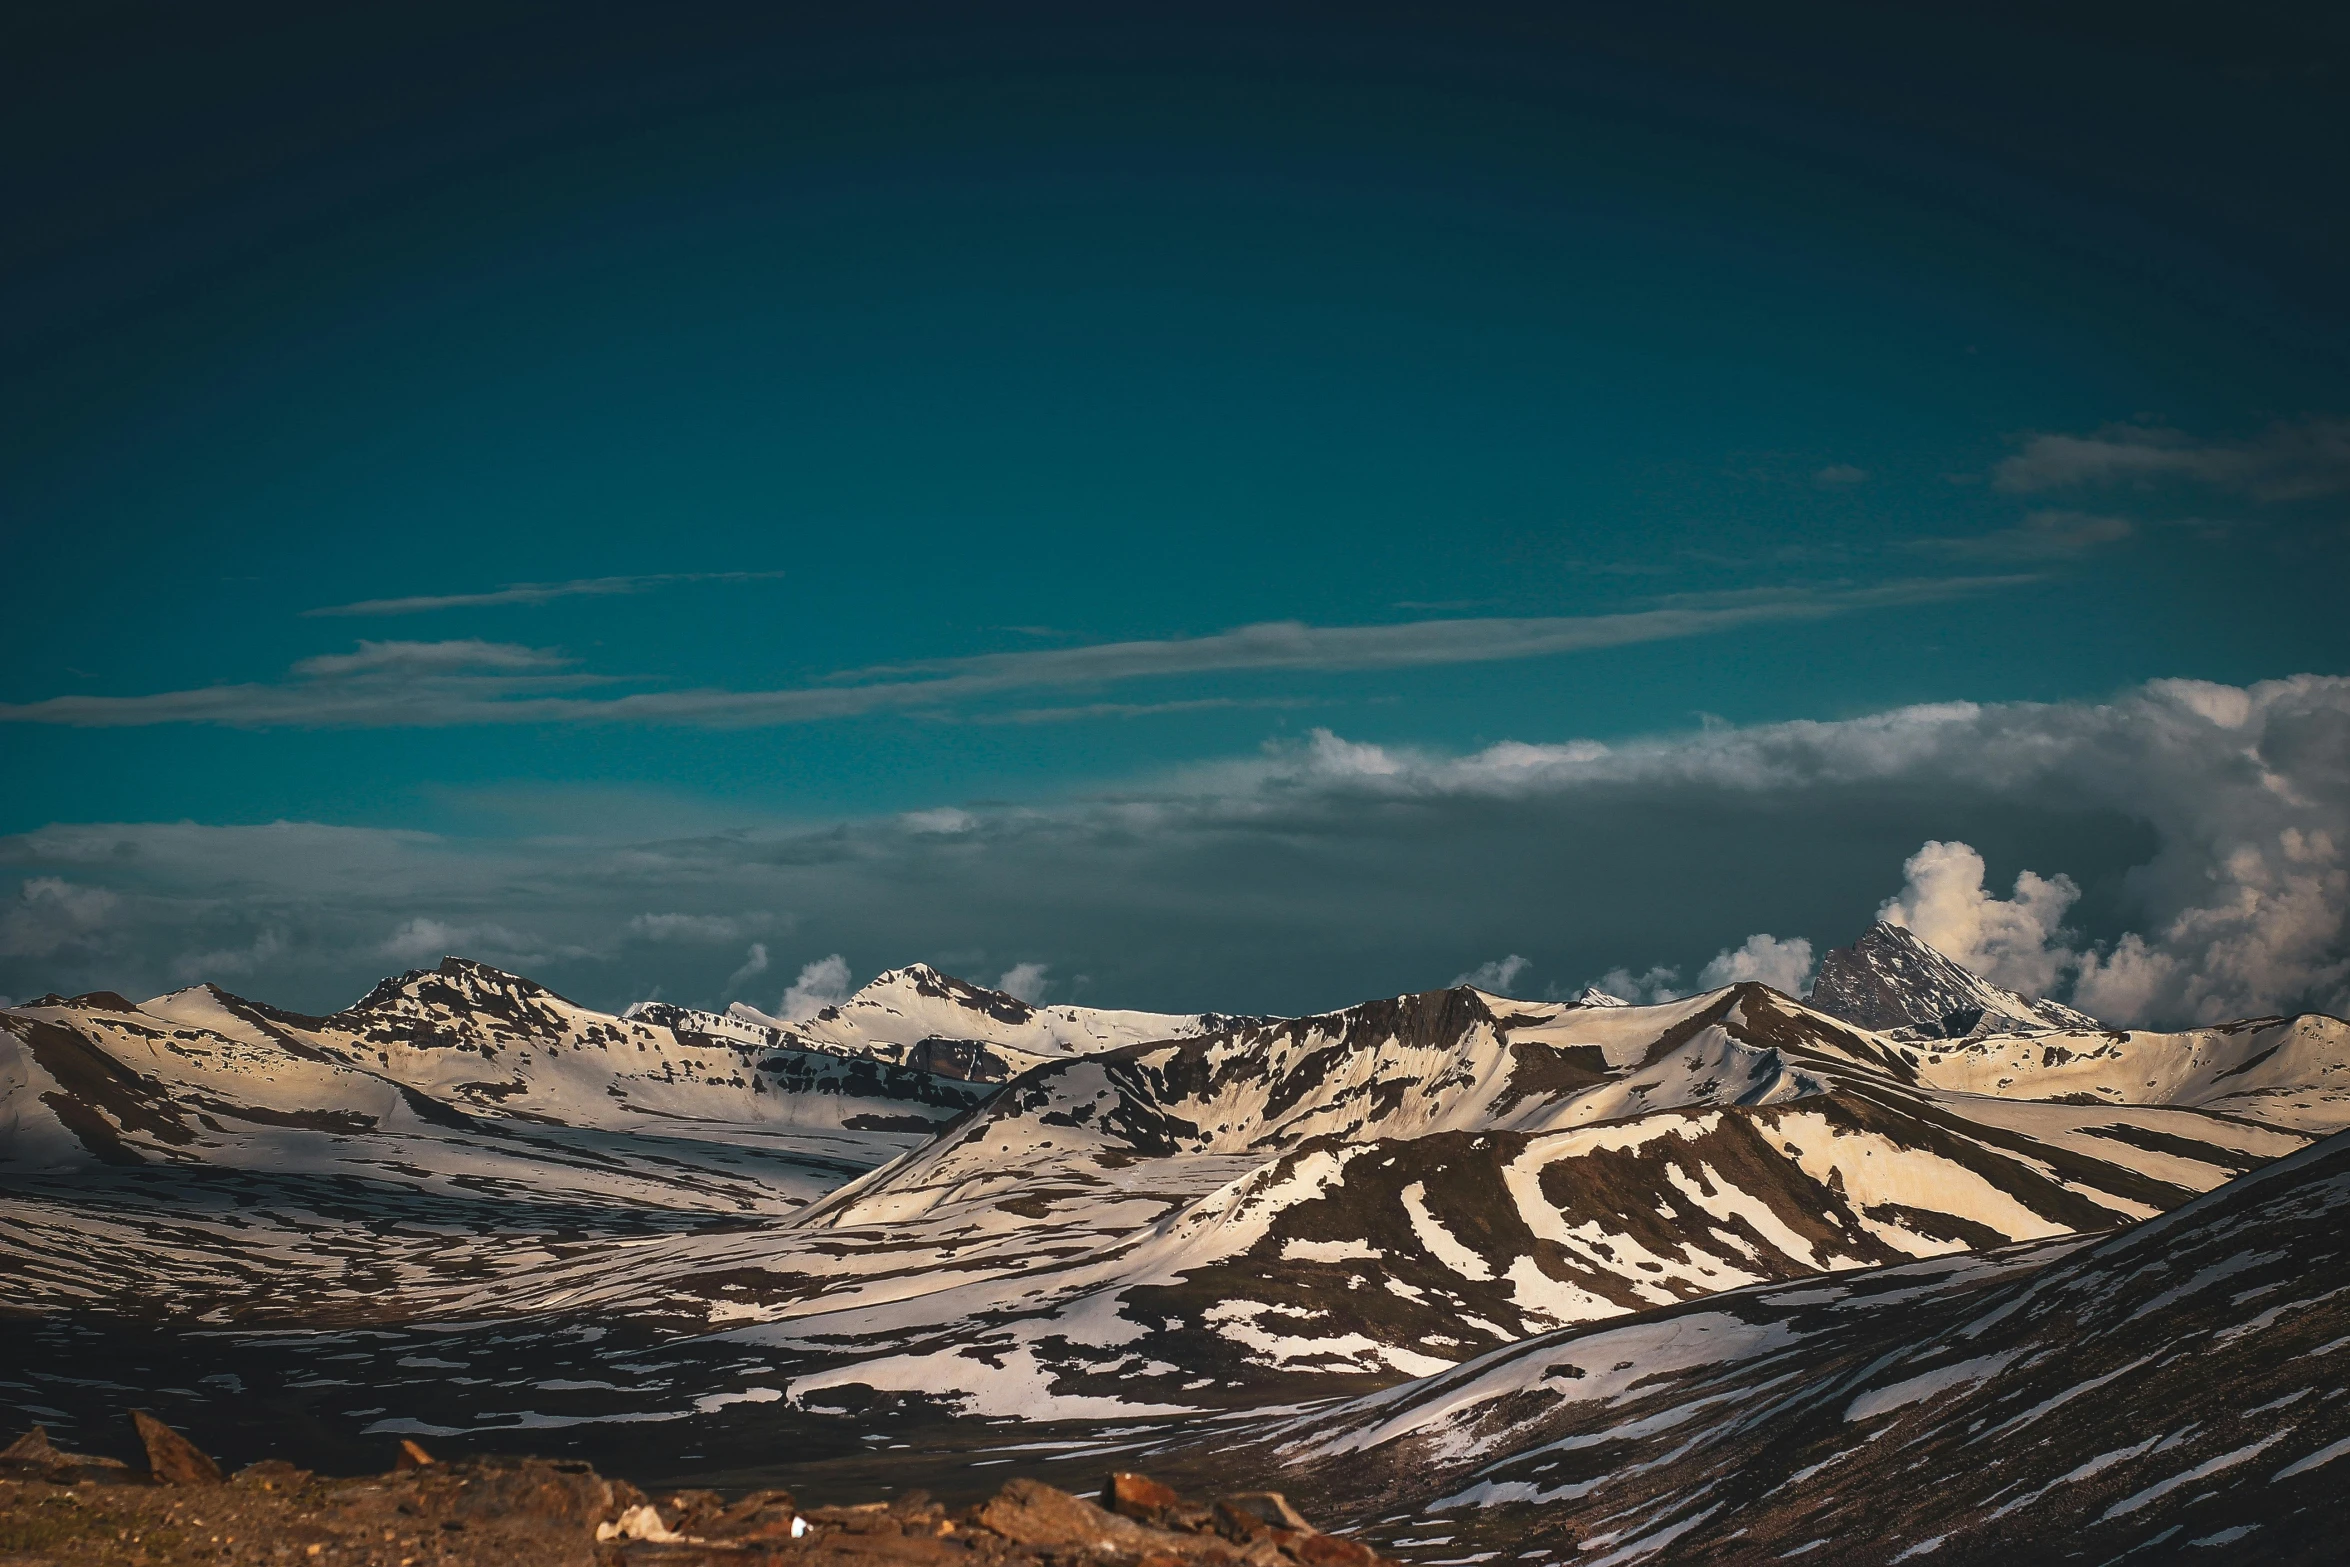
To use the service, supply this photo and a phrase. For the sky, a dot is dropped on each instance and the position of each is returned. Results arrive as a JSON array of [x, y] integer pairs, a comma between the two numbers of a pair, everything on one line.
[[1238, 507]]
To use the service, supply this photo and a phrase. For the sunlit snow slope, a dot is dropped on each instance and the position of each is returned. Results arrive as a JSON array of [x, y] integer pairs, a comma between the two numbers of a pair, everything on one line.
[[1291, 1208], [2177, 1392], [458, 1127]]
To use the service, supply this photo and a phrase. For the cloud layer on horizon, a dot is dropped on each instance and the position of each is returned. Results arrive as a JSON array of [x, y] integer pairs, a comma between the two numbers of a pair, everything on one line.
[[2178, 854]]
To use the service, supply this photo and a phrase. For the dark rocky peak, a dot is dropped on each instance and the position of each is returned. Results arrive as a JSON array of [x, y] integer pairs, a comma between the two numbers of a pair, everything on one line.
[[93, 1001], [1892, 981]]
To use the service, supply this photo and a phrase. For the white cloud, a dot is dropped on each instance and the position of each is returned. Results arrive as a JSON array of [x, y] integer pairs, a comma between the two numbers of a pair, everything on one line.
[[1495, 977], [1025, 981], [754, 964], [823, 983], [428, 658], [2018, 942], [2296, 460], [1656, 985], [1784, 965], [1840, 474]]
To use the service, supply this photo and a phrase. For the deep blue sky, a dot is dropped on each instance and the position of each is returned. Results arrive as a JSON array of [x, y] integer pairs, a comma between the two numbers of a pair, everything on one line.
[[1969, 353]]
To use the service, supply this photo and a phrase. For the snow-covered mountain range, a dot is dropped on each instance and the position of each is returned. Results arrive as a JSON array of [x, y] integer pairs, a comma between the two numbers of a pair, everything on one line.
[[939, 1194]]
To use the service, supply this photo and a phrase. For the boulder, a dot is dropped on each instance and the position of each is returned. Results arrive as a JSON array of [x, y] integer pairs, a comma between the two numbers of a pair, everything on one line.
[[171, 1458]]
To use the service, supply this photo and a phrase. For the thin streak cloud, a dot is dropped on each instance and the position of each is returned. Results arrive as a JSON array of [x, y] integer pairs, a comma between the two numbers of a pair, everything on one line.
[[535, 593], [423, 685], [2294, 461]]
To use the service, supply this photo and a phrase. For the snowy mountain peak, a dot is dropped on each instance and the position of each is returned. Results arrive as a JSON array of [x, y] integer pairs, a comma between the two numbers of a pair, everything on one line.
[[456, 981], [1894, 981], [1593, 996], [920, 1016], [923, 980]]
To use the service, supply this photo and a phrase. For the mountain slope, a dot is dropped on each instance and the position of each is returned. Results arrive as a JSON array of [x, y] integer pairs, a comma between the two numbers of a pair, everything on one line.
[[202, 1153], [1291, 1209], [1263, 1209], [2178, 1385]]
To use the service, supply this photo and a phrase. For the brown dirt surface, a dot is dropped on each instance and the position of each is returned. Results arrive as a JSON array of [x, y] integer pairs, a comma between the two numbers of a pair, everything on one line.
[[63, 1510]]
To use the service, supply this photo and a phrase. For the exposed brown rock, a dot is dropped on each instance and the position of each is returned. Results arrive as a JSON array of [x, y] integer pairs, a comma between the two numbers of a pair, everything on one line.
[[762, 1515], [171, 1458], [1139, 1497], [411, 1456], [1029, 1512], [1270, 1508], [32, 1448], [1332, 1550], [33, 1456]]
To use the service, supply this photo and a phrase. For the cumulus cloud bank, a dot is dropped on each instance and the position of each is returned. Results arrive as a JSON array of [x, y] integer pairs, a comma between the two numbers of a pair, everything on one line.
[[2017, 942], [1782, 964], [2174, 854]]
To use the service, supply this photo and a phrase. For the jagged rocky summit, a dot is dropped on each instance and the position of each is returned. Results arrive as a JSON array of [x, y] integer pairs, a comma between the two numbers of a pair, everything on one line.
[[1892, 981]]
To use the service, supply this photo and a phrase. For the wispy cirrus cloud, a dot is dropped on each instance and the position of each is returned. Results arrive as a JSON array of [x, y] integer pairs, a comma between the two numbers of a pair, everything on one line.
[[2042, 535], [536, 593], [414, 684], [430, 658], [380, 685], [2289, 461]]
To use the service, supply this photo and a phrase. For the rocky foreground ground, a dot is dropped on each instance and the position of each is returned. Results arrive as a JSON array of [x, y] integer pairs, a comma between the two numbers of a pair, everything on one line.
[[60, 1509]]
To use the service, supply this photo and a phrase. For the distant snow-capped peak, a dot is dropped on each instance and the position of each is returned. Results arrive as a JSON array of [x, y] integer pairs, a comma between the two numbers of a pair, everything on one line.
[[1893, 981], [918, 1015]]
